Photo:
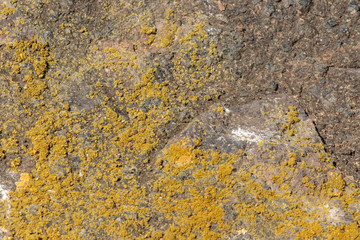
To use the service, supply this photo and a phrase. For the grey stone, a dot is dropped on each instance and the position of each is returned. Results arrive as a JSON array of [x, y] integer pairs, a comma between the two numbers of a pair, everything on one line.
[[288, 3], [238, 74], [250, 38], [331, 23], [353, 6], [273, 85], [213, 31], [233, 52], [184, 116], [271, 67], [230, 214], [152, 102], [323, 68], [305, 3], [344, 28], [131, 170], [286, 47], [256, 1], [48, 35], [269, 10], [327, 98]]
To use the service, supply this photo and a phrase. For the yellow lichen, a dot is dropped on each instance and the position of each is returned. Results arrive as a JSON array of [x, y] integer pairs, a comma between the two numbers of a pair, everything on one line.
[[24, 179], [183, 160], [335, 186], [86, 181], [169, 14], [150, 31], [292, 118], [219, 109], [16, 162], [292, 159], [40, 68], [35, 89], [6, 11], [168, 39]]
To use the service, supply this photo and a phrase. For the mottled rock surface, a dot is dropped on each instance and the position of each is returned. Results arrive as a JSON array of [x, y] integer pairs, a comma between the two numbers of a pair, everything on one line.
[[279, 165], [96, 96]]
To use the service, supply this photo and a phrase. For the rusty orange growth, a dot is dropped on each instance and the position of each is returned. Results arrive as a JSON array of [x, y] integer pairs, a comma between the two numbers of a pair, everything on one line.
[[24, 179], [183, 160]]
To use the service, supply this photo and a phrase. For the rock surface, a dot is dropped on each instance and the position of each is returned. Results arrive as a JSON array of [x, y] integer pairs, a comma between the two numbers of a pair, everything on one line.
[[96, 97], [273, 163]]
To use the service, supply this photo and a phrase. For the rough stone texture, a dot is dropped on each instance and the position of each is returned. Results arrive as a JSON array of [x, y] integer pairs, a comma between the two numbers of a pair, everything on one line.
[[125, 77], [256, 129], [244, 126]]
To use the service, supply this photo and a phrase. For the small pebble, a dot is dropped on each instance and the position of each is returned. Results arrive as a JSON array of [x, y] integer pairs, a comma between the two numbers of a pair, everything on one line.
[[331, 23]]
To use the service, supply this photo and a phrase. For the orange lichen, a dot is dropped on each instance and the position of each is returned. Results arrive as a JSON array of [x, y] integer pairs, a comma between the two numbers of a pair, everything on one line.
[[40, 68], [335, 186], [219, 109], [150, 31], [24, 179], [16, 162], [35, 89], [86, 182], [169, 14], [6, 11], [183, 160], [168, 38], [292, 118], [292, 159]]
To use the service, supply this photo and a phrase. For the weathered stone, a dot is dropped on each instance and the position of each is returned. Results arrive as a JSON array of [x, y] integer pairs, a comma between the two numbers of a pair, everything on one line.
[[257, 129], [122, 77]]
